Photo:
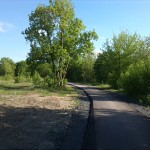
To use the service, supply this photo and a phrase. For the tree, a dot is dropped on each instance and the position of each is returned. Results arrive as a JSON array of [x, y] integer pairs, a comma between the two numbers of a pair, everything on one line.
[[118, 55], [88, 68], [44, 70], [105, 63], [22, 72], [82, 70], [136, 80], [56, 37], [21, 68], [125, 63], [7, 67]]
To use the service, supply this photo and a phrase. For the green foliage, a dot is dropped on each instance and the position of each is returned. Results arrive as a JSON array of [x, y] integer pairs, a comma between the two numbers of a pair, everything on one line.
[[74, 72], [9, 88], [56, 37], [82, 70], [22, 72], [7, 68], [87, 68], [44, 70], [103, 66], [50, 82], [125, 63], [23, 78], [136, 80], [21, 68], [117, 56], [18, 79], [37, 80], [112, 79]]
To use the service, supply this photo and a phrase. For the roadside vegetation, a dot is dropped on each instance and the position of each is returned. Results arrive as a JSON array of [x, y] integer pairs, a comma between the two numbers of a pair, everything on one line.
[[125, 63], [34, 93], [62, 50], [34, 97], [60, 45]]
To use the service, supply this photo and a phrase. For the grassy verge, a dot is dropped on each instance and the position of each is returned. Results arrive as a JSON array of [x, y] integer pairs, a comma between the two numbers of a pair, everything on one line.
[[10, 88], [25, 88]]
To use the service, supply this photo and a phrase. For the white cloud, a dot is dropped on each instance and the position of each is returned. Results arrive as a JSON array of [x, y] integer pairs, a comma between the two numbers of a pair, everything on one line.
[[4, 26]]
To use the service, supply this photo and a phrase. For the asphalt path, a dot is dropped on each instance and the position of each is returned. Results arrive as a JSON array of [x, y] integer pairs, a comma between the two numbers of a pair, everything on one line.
[[117, 124]]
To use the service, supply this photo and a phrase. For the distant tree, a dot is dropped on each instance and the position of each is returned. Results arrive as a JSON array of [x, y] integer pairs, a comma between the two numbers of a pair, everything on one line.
[[37, 80], [88, 68], [7, 67], [82, 70], [21, 68], [22, 72], [44, 70]]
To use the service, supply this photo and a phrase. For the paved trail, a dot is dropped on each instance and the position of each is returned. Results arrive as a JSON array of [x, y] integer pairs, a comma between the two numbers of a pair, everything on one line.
[[117, 124]]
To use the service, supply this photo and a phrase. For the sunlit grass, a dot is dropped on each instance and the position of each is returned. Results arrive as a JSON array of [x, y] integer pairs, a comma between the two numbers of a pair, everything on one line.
[[116, 90], [103, 86], [26, 88], [100, 85]]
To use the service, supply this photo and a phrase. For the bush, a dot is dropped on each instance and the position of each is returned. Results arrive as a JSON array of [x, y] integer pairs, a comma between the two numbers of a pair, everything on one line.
[[65, 81], [136, 80], [37, 80], [23, 78], [113, 80], [50, 82]]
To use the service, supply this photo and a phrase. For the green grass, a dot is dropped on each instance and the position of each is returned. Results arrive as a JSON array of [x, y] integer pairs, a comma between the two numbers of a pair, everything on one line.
[[25, 88], [116, 91], [108, 87], [11, 88], [104, 86]]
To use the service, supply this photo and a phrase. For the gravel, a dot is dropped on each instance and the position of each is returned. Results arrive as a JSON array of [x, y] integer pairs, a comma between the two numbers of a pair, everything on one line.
[[141, 109], [73, 137]]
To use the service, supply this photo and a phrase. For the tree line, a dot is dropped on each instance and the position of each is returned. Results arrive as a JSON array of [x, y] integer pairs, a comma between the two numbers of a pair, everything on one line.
[[62, 49], [125, 63]]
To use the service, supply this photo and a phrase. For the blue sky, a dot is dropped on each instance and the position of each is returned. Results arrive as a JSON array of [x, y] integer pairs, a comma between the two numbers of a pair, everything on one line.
[[107, 17]]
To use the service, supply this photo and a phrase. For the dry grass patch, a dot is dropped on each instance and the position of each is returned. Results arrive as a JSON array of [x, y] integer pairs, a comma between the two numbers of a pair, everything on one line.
[[37, 101]]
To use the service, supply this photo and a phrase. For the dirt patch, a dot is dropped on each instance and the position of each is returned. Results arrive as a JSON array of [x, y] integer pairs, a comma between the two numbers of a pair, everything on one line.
[[33, 121], [37, 101]]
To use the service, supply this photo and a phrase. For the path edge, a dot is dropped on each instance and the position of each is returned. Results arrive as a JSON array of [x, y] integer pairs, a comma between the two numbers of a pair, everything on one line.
[[90, 119]]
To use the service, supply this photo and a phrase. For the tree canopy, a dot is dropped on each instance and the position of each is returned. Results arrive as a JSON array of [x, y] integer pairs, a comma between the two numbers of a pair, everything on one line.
[[57, 37], [124, 63]]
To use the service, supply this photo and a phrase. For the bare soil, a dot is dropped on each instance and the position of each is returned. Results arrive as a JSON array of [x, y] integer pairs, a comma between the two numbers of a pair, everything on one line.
[[32, 121]]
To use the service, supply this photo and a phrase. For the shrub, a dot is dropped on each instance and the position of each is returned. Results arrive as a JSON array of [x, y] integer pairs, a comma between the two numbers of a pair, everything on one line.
[[136, 80], [23, 78], [113, 80], [50, 82], [37, 80]]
